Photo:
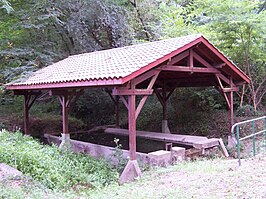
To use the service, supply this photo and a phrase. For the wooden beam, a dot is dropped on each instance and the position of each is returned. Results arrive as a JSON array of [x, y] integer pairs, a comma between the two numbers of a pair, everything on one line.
[[191, 63], [144, 98], [189, 69], [178, 57], [219, 66], [26, 92], [66, 92], [220, 89], [234, 89], [124, 101], [202, 61], [122, 91], [141, 104], [147, 75]]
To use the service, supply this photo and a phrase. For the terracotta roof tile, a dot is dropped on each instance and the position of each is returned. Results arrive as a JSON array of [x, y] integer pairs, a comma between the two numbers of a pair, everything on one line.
[[107, 64]]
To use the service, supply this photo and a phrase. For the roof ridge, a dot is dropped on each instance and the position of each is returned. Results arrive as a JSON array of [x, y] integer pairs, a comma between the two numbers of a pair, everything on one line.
[[137, 45]]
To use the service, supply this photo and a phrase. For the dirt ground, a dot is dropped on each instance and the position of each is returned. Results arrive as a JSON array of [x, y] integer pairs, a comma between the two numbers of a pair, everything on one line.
[[201, 179]]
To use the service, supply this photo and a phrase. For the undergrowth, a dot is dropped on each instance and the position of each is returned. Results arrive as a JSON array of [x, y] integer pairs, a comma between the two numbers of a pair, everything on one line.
[[52, 167]]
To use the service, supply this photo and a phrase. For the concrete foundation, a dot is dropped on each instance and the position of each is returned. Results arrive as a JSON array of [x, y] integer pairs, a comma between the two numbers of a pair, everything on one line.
[[160, 158], [65, 142], [232, 142], [165, 128], [178, 154], [131, 172]]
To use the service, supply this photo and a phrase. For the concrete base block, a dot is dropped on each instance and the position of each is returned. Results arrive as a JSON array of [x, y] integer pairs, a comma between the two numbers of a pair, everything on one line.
[[232, 142], [178, 154], [165, 128], [160, 158], [131, 172], [65, 142], [7, 172]]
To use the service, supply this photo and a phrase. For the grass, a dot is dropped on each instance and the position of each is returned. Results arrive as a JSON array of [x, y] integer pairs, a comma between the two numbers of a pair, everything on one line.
[[200, 179], [52, 167]]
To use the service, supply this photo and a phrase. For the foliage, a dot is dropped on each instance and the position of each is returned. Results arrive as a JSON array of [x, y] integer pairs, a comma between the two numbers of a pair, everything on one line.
[[54, 168], [238, 29], [94, 108], [246, 110], [6, 6], [118, 154], [39, 33]]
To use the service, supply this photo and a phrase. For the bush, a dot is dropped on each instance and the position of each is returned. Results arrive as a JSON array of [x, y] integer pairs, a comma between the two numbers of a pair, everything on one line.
[[51, 166], [246, 110]]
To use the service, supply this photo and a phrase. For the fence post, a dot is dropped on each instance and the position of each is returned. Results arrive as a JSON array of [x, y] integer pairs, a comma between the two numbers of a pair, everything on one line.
[[265, 133], [253, 138], [238, 145]]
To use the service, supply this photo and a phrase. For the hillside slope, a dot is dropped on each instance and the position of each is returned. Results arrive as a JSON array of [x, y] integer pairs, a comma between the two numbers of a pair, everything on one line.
[[201, 179]]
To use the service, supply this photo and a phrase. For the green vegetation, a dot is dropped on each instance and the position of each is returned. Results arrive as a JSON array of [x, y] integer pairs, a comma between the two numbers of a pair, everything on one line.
[[199, 179], [52, 167]]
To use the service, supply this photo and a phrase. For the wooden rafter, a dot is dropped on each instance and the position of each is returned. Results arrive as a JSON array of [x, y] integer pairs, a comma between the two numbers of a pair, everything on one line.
[[178, 57]]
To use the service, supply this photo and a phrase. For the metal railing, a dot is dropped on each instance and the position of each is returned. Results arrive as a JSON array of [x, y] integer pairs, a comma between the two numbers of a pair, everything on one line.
[[253, 135]]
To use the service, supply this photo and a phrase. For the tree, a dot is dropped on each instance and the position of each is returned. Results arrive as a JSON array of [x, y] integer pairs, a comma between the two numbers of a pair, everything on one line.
[[238, 29]]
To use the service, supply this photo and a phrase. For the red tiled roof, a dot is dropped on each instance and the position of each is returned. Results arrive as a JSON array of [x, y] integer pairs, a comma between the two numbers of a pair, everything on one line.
[[113, 66]]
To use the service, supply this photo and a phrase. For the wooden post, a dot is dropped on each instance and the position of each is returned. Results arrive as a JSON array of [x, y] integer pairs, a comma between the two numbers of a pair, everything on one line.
[[65, 115], [164, 105], [117, 110], [132, 170], [132, 126], [231, 99], [65, 103], [115, 99], [26, 115], [163, 98], [29, 99], [231, 138]]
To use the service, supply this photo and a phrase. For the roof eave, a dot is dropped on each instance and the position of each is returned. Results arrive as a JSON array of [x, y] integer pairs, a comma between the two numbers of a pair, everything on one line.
[[62, 85]]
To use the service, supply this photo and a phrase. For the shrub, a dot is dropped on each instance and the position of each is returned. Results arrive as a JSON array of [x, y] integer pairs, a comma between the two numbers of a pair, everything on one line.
[[246, 110], [51, 166]]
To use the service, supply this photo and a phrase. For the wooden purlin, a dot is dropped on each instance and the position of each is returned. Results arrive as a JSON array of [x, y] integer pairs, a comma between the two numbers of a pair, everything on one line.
[[124, 91]]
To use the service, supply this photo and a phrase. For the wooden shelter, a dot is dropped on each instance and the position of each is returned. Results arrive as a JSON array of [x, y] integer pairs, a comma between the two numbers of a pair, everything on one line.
[[155, 67]]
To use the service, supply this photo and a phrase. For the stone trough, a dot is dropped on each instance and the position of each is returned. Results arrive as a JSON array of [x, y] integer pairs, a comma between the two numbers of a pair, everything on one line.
[[156, 158]]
